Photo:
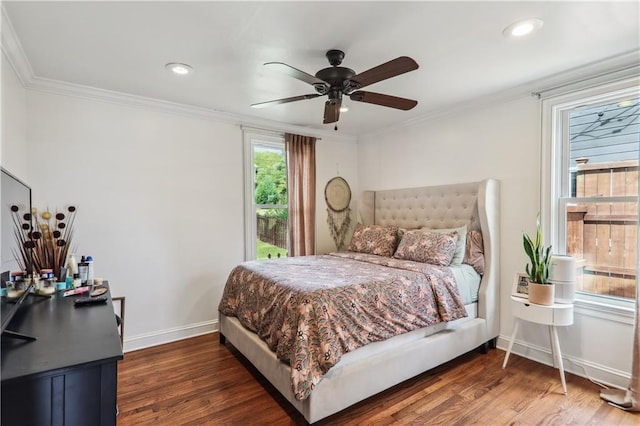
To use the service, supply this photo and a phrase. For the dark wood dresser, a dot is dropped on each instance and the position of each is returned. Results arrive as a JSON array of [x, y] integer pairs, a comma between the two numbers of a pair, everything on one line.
[[68, 376]]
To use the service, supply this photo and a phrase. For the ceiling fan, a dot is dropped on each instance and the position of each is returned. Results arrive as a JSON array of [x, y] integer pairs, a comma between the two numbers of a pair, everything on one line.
[[336, 81]]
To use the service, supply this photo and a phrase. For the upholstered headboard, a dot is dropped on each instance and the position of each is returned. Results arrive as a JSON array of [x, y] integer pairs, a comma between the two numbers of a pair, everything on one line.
[[446, 206]]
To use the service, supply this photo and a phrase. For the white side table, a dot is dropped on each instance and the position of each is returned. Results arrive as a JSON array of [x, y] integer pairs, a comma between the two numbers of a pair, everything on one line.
[[552, 315]]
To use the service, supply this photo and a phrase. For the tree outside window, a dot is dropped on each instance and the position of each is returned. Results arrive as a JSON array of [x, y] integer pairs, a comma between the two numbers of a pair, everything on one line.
[[270, 198]]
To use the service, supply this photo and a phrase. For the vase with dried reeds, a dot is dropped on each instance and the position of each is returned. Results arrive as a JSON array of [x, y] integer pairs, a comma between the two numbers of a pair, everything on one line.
[[43, 238]]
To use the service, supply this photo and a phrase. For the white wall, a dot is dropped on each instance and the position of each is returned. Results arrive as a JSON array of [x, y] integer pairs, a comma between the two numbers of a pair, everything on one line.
[[499, 141], [13, 134], [334, 158], [159, 200], [13, 155]]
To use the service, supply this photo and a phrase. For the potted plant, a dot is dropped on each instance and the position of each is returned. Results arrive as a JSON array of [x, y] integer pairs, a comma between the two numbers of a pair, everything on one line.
[[541, 290]]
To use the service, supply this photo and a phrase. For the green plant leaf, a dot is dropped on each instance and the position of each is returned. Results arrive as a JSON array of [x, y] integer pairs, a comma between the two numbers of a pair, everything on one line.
[[540, 256]]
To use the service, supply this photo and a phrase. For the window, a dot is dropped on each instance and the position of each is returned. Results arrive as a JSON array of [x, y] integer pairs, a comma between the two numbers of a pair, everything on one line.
[[590, 186], [265, 196]]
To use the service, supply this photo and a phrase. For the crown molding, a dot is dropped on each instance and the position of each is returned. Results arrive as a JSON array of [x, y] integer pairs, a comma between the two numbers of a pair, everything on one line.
[[14, 53], [615, 67], [91, 93]]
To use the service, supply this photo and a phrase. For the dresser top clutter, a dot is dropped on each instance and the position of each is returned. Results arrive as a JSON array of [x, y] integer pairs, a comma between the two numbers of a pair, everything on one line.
[[66, 336]]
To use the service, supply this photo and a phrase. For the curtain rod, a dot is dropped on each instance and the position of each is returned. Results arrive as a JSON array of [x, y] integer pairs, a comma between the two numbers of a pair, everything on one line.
[[273, 132], [591, 81]]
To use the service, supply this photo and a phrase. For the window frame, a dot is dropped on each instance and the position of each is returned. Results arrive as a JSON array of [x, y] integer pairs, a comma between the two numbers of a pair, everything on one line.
[[553, 173], [253, 138]]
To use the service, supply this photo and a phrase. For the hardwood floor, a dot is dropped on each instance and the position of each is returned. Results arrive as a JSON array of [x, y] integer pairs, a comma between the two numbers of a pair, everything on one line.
[[198, 381]]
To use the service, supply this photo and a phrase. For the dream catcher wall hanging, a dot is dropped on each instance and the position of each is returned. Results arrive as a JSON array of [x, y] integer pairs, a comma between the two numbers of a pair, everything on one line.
[[338, 196]]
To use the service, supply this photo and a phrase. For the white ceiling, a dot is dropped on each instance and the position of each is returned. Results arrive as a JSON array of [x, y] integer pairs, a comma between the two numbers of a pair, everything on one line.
[[459, 46]]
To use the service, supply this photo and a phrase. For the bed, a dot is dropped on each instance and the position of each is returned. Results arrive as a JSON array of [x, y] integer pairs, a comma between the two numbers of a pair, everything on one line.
[[376, 366]]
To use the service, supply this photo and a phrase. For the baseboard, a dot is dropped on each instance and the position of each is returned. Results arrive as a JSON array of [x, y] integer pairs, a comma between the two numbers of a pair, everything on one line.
[[596, 372], [161, 337]]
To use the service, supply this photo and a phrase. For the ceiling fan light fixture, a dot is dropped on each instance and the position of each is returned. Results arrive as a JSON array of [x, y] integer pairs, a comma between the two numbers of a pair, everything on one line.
[[523, 28], [179, 68], [344, 108]]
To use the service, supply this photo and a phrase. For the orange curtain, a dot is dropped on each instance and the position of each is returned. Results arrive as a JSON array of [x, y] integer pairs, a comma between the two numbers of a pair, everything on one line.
[[301, 175]]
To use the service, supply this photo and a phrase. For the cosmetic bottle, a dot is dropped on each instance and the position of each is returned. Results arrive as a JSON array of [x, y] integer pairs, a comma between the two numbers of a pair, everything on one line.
[[76, 281], [83, 270], [89, 261]]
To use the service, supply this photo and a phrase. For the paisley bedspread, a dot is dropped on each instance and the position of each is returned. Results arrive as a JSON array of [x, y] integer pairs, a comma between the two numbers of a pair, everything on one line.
[[311, 310]]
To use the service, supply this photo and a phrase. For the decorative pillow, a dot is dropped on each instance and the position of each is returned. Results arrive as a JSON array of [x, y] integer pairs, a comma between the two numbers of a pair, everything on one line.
[[460, 245], [436, 248], [474, 252], [402, 231], [374, 239]]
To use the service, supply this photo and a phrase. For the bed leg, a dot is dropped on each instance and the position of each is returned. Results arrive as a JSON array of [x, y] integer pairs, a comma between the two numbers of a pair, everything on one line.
[[490, 344], [223, 339]]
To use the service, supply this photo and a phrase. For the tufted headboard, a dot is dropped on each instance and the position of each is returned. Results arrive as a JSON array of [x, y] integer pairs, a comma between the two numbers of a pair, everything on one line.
[[445, 206], [475, 204]]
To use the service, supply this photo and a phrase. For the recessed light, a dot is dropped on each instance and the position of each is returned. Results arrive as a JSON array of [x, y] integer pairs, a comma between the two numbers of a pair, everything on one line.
[[179, 68], [523, 28]]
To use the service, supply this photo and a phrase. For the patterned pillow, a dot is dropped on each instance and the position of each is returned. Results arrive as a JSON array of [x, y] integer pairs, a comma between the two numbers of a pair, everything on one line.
[[374, 239], [474, 253], [458, 256], [436, 248]]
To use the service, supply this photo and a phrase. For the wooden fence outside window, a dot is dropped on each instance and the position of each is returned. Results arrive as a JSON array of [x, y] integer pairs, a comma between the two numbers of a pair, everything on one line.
[[602, 236], [273, 231]]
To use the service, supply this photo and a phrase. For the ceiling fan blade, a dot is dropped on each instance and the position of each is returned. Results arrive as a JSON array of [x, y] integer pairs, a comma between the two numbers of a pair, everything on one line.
[[332, 111], [384, 100], [384, 71], [285, 100], [296, 73]]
